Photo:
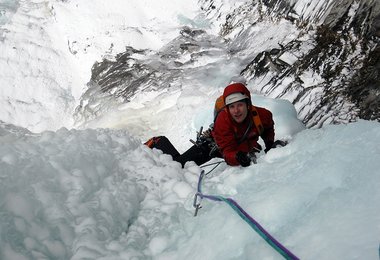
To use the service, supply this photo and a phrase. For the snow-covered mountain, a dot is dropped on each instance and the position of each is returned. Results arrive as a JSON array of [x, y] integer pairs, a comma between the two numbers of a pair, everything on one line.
[[48, 48], [117, 73], [337, 45], [321, 56], [275, 46]]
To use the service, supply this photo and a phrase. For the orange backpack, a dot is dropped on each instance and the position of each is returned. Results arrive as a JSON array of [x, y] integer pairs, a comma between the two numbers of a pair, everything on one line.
[[219, 106]]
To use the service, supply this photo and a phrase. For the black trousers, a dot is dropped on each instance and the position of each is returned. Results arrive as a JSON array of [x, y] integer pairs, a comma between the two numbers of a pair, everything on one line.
[[197, 153]]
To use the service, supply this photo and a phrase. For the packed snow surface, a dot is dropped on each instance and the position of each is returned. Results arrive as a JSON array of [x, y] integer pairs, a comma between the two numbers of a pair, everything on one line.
[[100, 194]]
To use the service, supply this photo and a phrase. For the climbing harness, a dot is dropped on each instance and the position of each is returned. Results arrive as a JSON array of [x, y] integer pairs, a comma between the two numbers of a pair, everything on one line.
[[245, 216]]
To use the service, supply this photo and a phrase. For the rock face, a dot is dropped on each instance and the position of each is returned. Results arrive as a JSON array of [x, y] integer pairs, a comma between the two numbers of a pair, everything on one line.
[[329, 68], [337, 47], [117, 81], [364, 88]]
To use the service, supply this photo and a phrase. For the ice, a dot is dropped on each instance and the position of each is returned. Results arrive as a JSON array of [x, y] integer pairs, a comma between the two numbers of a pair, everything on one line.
[[100, 194], [86, 193]]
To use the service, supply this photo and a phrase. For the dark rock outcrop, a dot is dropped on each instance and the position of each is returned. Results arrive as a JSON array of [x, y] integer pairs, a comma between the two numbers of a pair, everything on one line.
[[341, 59], [329, 70]]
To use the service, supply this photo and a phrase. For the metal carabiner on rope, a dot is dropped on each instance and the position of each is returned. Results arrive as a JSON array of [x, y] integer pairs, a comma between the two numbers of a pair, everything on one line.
[[197, 203]]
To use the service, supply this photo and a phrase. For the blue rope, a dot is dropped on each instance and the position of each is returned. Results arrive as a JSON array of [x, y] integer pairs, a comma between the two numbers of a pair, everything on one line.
[[246, 217]]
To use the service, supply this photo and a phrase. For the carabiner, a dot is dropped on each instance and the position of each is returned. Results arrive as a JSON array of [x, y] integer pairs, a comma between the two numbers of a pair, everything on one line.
[[196, 204]]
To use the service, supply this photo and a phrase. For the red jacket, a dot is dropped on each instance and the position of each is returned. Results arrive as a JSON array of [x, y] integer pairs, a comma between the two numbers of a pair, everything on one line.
[[229, 135]]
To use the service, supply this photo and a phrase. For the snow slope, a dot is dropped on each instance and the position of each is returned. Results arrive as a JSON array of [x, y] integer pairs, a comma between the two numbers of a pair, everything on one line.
[[99, 194], [48, 49]]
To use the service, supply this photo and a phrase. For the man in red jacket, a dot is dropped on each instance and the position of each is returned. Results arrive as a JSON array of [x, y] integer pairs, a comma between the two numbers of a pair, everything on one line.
[[237, 129]]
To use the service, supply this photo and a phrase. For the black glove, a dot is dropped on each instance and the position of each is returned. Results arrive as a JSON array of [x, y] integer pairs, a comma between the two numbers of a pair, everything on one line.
[[279, 143], [243, 159]]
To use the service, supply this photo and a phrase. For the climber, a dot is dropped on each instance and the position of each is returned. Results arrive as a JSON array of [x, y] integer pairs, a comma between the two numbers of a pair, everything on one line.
[[234, 135], [239, 124]]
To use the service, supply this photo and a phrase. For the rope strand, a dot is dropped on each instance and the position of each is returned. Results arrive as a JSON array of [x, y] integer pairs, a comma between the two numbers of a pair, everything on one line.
[[246, 217]]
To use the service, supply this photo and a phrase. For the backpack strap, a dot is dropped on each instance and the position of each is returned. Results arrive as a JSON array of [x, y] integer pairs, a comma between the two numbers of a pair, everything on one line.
[[245, 133], [257, 120]]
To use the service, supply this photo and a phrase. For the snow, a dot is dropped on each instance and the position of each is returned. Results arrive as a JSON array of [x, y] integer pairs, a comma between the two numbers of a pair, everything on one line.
[[48, 49], [98, 193]]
